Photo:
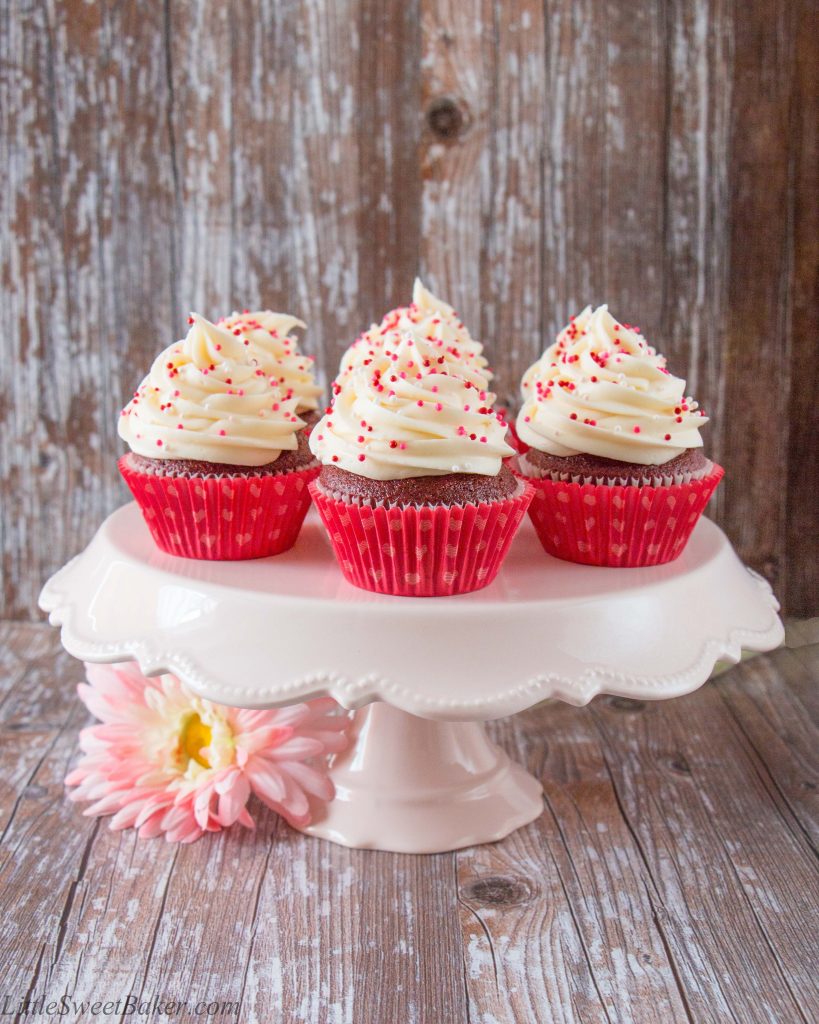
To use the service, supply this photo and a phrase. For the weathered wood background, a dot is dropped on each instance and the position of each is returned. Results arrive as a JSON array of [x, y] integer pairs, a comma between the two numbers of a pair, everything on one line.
[[525, 157]]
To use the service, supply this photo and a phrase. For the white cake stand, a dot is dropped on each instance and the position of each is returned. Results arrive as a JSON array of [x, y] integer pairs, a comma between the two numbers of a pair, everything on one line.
[[420, 774]]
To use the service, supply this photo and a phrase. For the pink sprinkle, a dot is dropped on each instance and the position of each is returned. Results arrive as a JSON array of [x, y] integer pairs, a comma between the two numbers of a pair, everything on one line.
[[222, 433], [636, 430]]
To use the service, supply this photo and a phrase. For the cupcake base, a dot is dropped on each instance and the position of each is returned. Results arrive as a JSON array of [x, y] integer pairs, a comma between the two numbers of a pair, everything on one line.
[[421, 550], [620, 526], [221, 517], [583, 468], [446, 489]]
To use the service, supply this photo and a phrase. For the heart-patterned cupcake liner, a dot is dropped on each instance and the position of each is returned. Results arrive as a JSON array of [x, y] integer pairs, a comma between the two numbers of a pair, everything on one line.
[[222, 518], [421, 550], [616, 525]]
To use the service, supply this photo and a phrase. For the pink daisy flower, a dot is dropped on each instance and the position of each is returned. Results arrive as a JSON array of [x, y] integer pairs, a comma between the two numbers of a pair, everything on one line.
[[165, 761]]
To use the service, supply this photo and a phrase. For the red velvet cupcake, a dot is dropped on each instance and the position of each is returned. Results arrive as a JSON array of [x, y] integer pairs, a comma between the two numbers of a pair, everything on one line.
[[413, 490], [219, 460], [613, 448]]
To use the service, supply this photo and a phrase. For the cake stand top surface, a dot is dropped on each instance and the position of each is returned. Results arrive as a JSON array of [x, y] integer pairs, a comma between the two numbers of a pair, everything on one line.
[[279, 630]]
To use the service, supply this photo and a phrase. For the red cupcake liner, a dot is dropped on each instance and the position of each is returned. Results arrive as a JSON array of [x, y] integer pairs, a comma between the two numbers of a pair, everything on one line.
[[616, 525], [421, 550], [222, 518]]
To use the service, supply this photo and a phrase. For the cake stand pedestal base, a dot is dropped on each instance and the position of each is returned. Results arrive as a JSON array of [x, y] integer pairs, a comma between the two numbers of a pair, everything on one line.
[[413, 785]]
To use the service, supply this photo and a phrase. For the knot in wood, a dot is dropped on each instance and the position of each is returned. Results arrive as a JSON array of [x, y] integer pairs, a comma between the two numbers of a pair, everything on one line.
[[679, 765], [626, 704], [498, 891], [446, 118]]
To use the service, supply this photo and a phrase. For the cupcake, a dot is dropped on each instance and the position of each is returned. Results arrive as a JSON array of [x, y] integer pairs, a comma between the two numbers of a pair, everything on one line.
[[276, 348], [613, 448], [413, 490], [446, 341], [219, 462]]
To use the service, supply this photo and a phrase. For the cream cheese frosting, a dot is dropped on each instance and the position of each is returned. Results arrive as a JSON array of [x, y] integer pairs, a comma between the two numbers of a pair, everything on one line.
[[270, 336], [601, 390], [208, 398], [435, 326], [410, 420]]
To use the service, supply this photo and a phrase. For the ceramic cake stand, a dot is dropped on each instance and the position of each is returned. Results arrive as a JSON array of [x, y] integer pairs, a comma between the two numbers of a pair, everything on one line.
[[420, 774]]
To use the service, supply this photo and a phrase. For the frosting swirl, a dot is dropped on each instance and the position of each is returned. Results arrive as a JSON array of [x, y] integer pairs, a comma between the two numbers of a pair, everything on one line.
[[601, 390], [433, 325], [206, 398], [277, 351], [410, 420]]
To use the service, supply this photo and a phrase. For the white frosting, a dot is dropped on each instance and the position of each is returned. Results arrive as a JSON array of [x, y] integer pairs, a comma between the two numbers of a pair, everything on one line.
[[208, 398], [601, 390], [409, 420], [435, 327], [541, 367], [277, 351]]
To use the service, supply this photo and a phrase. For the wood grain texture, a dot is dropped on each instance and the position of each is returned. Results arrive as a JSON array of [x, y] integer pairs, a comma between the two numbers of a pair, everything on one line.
[[673, 876], [527, 158]]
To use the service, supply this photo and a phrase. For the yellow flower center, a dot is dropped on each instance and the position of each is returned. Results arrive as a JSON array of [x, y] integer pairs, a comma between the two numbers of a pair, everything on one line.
[[194, 737]]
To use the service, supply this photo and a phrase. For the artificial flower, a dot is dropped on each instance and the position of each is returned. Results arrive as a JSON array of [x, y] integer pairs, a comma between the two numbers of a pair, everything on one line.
[[167, 762]]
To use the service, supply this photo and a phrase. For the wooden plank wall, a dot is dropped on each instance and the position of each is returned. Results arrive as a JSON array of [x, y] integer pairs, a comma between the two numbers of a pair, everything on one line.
[[526, 158]]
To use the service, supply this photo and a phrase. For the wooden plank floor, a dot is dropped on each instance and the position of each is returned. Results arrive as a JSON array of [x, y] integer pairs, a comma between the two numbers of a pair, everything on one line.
[[672, 877]]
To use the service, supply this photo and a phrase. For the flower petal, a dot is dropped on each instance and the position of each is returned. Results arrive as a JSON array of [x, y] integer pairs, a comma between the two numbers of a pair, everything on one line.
[[232, 802]]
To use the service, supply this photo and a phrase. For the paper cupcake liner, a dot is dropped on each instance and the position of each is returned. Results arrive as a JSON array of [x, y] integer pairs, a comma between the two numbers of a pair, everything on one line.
[[615, 525], [421, 550], [222, 518]]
